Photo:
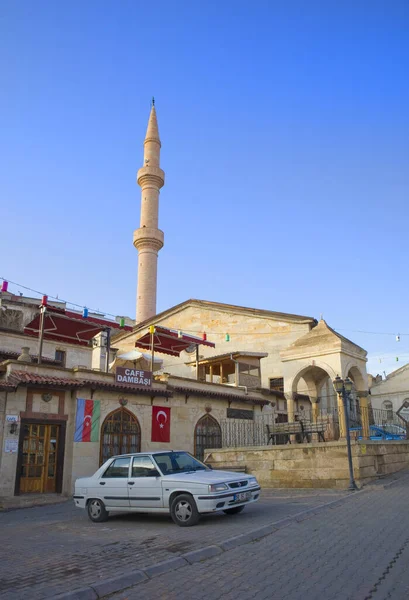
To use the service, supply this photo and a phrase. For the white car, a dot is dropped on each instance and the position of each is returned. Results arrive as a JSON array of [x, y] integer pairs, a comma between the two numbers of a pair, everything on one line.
[[163, 482]]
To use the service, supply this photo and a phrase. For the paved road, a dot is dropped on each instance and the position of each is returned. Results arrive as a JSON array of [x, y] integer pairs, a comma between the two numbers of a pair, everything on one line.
[[48, 550], [356, 551]]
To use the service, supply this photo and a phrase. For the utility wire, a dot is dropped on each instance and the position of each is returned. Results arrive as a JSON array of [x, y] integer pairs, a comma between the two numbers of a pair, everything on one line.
[[192, 331]]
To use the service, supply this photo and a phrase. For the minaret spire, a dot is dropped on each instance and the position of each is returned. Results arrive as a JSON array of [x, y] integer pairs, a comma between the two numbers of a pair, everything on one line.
[[148, 239]]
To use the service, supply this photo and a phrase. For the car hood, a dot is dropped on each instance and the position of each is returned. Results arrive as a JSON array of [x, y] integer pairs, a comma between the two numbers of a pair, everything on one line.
[[207, 477]]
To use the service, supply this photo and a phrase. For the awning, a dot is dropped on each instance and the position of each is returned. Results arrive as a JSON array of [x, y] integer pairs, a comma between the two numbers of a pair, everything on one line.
[[70, 327], [169, 341]]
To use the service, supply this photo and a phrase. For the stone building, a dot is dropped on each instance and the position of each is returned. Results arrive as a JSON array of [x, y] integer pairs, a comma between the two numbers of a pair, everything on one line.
[[244, 365], [295, 355], [391, 393], [39, 453]]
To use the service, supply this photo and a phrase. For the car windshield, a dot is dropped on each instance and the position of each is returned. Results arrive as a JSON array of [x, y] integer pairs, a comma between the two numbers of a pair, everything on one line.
[[178, 462]]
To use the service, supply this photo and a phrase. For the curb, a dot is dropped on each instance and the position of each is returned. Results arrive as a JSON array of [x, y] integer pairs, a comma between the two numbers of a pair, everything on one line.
[[379, 485], [99, 590], [6, 506]]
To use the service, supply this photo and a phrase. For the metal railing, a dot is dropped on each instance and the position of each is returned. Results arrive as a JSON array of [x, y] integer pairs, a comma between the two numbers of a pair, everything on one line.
[[244, 432]]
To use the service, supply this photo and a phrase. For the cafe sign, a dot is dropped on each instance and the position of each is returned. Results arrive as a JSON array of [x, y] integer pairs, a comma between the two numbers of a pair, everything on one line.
[[133, 376]]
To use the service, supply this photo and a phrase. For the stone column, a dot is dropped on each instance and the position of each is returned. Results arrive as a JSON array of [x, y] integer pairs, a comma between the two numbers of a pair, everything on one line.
[[315, 409], [341, 418], [364, 408], [290, 407]]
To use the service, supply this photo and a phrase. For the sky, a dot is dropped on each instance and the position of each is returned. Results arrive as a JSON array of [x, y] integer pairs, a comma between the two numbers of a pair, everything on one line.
[[285, 143]]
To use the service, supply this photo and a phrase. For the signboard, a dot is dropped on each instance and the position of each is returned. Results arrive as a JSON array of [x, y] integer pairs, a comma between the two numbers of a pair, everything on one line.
[[12, 419], [128, 376], [403, 411], [10, 445]]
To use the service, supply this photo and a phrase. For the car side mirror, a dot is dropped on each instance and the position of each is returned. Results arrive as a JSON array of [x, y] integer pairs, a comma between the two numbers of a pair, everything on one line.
[[209, 467], [154, 473]]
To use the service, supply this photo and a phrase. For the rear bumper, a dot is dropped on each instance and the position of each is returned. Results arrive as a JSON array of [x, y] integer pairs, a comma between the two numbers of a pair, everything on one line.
[[224, 500]]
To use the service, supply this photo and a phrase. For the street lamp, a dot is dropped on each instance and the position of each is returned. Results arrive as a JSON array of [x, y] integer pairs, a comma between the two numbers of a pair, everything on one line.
[[343, 389]]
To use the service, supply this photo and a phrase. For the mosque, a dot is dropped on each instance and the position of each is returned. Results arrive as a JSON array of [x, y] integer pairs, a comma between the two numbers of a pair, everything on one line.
[[77, 388]]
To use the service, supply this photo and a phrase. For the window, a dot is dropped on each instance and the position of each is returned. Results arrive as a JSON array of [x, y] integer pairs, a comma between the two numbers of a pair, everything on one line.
[[142, 466], [120, 434], [388, 406], [208, 434], [277, 384], [60, 357], [164, 463], [177, 462], [239, 413], [118, 468]]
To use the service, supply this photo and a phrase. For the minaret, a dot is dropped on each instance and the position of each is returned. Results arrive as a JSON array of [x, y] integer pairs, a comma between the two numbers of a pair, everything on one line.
[[148, 239]]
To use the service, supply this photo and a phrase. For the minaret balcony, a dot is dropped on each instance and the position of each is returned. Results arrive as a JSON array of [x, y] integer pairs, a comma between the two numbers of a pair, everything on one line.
[[147, 237], [150, 175]]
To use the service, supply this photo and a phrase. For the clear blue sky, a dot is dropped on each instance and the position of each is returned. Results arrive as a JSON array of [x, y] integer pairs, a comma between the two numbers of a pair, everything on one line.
[[285, 142]]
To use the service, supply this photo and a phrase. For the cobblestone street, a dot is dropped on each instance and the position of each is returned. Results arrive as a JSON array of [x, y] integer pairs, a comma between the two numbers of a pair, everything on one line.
[[356, 551], [48, 550]]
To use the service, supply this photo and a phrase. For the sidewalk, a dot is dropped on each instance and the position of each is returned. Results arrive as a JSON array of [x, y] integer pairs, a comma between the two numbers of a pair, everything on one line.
[[59, 549], [27, 501], [357, 550]]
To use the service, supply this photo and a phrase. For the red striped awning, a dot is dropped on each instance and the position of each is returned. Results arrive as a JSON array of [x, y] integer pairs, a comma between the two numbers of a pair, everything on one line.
[[66, 326], [169, 341]]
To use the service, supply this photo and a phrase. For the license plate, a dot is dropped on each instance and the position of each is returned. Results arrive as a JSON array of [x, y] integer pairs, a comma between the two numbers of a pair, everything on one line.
[[242, 497]]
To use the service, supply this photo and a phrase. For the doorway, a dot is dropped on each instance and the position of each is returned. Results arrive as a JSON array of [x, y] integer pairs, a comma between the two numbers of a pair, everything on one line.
[[41, 455]]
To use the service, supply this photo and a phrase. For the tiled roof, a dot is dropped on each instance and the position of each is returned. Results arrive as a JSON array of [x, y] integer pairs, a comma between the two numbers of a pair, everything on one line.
[[108, 385], [27, 378], [17, 378], [8, 355], [5, 386], [222, 395]]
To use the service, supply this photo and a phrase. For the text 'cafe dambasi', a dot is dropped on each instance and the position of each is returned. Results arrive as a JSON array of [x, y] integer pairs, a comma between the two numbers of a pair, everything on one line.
[[133, 376]]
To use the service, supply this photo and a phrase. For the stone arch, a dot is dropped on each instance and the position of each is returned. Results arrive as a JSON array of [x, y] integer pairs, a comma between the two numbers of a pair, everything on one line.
[[208, 434], [120, 434], [354, 373], [318, 387], [313, 371]]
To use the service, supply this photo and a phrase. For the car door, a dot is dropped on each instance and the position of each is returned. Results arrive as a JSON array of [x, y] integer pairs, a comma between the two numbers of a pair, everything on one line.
[[144, 484], [113, 483]]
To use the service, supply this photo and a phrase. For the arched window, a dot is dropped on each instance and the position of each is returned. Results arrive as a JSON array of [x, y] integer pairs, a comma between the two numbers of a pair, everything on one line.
[[207, 435], [388, 406], [120, 434]]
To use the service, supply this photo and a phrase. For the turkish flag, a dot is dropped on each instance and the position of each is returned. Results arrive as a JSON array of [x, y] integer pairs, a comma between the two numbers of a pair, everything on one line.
[[160, 424]]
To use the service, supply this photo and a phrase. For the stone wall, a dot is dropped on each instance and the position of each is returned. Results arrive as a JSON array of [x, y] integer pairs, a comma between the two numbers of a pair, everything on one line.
[[395, 389], [75, 355], [188, 403], [317, 465], [247, 333]]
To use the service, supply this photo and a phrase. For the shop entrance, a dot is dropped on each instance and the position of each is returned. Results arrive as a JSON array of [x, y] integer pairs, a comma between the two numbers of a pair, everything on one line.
[[41, 455]]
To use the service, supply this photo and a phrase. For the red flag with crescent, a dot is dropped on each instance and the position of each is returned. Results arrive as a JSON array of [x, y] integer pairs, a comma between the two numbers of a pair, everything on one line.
[[160, 424]]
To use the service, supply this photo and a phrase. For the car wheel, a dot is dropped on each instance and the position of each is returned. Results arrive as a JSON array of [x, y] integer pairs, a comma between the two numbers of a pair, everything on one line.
[[234, 511], [183, 511], [97, 511]]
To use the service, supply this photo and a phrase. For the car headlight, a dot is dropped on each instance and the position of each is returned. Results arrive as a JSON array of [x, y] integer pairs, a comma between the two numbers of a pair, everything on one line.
[[252, 481], [218, 487]]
